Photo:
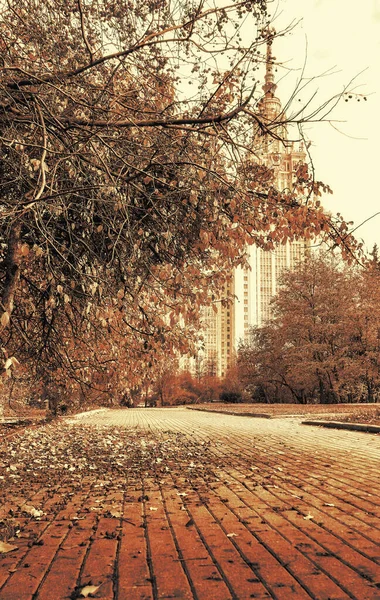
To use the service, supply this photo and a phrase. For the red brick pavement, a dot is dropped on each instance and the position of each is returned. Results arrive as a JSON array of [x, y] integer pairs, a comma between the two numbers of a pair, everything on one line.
[[237, 508]]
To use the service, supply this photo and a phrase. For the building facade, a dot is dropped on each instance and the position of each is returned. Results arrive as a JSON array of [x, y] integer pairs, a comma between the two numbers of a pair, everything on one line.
[[219, 336]]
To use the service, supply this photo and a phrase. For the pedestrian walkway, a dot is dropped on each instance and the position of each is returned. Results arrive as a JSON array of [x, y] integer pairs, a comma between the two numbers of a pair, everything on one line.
[[152, 504]]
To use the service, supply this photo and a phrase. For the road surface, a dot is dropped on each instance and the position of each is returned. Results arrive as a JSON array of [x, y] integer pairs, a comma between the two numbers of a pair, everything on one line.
[[148, 504]]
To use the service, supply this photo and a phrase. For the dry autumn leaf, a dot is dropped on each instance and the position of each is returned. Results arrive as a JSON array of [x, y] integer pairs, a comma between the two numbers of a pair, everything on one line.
[[5, 547], [88, 589], [4, 319]]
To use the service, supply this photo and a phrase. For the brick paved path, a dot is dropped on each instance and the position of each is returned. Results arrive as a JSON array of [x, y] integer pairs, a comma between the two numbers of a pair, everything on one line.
[[210, 507]]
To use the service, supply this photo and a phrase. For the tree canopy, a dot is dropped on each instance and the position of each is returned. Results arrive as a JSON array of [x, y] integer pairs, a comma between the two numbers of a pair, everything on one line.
[[126, 199]]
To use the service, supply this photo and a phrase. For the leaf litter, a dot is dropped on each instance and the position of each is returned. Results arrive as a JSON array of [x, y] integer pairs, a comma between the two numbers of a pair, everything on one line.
[[68, 456]]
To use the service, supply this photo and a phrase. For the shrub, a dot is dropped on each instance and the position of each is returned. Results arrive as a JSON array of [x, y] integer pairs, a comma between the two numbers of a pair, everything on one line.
[[231, 397]]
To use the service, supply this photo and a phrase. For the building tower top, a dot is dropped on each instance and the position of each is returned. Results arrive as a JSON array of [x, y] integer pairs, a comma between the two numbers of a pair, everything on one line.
[[270, 105], [269, 86]]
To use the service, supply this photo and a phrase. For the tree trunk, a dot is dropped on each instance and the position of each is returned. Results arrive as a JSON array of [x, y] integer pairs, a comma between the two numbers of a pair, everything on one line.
[[370, 395], [323, 398], [11, 266], [11, 269]]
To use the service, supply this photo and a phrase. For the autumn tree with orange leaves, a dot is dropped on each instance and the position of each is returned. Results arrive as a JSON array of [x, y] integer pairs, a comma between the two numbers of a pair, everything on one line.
[[323, 343], [126, 193]]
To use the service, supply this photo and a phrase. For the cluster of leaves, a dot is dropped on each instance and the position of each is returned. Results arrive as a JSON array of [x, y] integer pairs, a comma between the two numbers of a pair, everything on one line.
[[323, 343], [124, 203]]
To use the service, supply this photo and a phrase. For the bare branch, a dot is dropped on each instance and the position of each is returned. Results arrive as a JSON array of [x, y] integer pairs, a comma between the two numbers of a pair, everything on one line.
[[85, 39]]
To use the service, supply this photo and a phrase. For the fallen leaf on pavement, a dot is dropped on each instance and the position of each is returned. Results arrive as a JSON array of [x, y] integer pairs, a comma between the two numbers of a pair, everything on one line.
[[33, 512], [89, 589], [4, 547]]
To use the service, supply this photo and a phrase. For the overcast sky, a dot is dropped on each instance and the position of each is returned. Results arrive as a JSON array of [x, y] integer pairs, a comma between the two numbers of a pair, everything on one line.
[[343, 37]]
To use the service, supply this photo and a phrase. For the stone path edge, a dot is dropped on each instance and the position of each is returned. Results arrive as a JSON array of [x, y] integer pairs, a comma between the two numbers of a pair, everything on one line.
[[341, 425], [332, 424], [231, 412]]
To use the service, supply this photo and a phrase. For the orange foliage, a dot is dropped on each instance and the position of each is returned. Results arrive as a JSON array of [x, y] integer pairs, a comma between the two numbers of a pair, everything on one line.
[[323, 343], [126, 204]]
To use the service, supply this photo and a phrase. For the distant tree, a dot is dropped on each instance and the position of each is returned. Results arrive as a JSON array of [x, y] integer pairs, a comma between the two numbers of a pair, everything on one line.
[[317, 347], [313, 305], [263, 369], [231, 385], [164, 381], [209, 388], [364, 347], [374, 260], [230, 397]]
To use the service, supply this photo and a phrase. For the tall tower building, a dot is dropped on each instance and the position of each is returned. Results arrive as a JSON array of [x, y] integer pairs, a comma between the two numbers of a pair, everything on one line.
[[255, 286]]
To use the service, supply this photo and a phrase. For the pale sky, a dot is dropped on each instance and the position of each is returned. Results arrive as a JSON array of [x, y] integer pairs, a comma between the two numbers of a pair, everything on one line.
[[343, 37]]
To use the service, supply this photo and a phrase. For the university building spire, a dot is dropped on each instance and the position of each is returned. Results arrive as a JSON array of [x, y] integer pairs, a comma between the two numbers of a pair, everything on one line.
[[270, 105], [269, 85]]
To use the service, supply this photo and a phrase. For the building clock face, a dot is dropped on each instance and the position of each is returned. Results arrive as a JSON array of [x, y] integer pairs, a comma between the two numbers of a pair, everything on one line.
[[276, 159]]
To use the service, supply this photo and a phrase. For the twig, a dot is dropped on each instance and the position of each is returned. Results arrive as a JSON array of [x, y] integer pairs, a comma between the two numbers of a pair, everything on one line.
[[85, 39], [43, 155]]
